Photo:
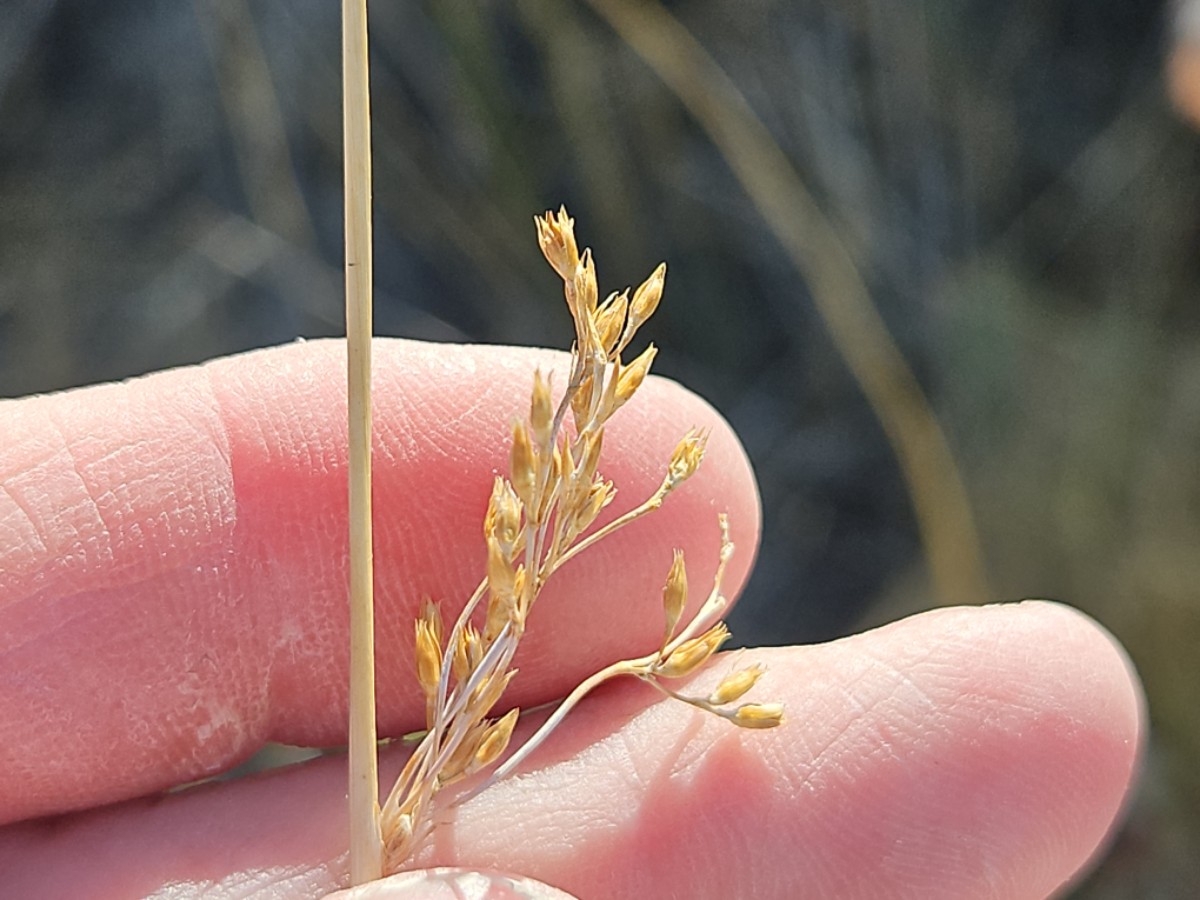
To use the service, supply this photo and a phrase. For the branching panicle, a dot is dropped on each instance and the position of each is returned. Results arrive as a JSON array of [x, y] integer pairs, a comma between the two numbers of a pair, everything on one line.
[[537, 519]]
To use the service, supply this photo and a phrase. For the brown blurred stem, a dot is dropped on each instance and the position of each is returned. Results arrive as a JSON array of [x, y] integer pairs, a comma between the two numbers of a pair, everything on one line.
[[841, 297], [366, 844]]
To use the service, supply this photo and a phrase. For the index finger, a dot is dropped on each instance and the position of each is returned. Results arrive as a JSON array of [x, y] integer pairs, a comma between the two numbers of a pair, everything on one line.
[[172, 555]]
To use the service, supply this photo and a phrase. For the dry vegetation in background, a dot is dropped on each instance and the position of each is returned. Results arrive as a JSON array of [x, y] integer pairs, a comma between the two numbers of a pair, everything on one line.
[[1009, 179]]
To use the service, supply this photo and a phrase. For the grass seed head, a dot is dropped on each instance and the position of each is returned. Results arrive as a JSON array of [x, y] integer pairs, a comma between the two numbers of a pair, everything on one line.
[[536, 520]]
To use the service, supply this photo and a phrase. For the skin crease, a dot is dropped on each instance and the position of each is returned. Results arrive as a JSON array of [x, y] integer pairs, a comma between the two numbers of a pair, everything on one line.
[[172, 595]]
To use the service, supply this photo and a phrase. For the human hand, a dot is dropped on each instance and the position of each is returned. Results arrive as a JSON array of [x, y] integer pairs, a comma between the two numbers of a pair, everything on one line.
[[172, 595]]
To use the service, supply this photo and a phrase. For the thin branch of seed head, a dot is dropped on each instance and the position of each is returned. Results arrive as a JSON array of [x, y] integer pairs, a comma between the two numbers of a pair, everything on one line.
[[585, 687], [419, 763], [645, 668], [715, 602]]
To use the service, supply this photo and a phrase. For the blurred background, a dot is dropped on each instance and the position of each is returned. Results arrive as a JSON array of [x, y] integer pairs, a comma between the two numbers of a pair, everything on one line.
[[936, 262]]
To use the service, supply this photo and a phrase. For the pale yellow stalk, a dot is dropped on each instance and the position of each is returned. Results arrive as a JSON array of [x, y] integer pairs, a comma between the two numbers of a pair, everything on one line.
[[366, 843]]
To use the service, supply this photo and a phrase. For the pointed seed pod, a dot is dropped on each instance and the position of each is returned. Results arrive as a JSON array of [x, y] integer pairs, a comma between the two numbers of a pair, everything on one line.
[[467, 652], [634, 374], [521, 599], [428, 657], [496, 739], [499, 569], [585, 283], [488, 694], [734, 685], [581, 402], [556, 237], [432, 613], [608, 400], [460, 763], [501, 610], [646, 297], [524, 465], [758, 715], [691, 655], [687, 456], [541, 410], [503, 520], [610, 320], [593, 445], [674, 595], [599, 496]]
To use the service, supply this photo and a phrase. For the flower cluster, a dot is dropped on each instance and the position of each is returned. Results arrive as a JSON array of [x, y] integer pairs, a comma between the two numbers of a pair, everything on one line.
[[537, 519]]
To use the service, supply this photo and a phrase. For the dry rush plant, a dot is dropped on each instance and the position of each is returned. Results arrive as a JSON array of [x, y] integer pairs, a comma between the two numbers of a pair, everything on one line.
[[538, 519]]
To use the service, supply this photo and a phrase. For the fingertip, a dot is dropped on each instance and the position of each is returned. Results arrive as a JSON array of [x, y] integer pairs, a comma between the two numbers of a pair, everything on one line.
[[1037, 718]]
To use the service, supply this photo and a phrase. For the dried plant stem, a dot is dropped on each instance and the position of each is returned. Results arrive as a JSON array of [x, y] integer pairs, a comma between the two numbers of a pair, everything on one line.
[[366, 843]]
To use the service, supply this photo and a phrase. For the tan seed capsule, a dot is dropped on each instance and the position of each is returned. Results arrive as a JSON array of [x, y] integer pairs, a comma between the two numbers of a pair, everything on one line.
[[593, 444], [432, 614], [503, 519], [524, 465], [610, 320], [646, 297], [599, 496], [501, 610], [674, 595], [687, 456], [581, 403], [691, 655], [734, 685], [758, 715], [496, 739], [556, 237], [541, 410], [461, 761], [585, 284], [467, 652], [608, 400], [428, 657], [634, 374], [488, 694], [499, 568]]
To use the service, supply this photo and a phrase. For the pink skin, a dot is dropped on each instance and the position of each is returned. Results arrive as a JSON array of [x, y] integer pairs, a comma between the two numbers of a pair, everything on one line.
[[172, 595]]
